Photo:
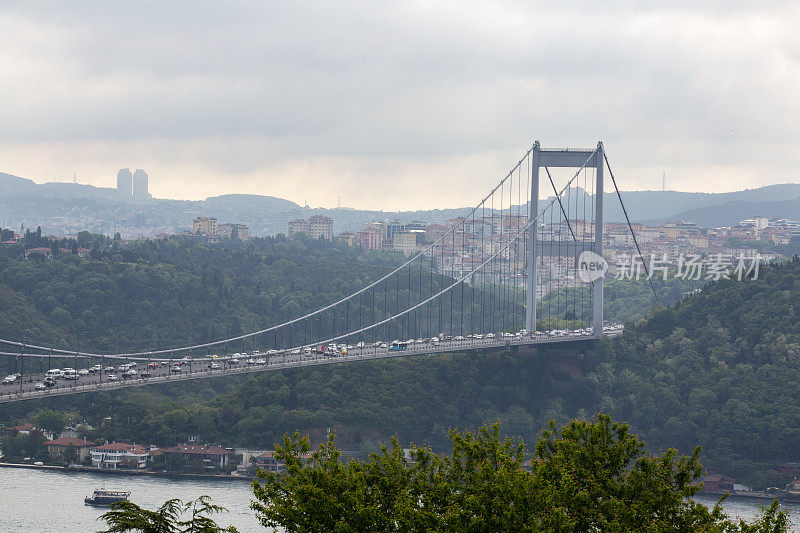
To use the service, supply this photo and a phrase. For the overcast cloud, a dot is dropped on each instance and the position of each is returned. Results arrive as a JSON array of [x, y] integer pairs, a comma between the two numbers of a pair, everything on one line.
[[395, 105]]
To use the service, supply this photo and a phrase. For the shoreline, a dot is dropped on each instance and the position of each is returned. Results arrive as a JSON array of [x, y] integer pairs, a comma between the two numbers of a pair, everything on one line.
[[120, 472]]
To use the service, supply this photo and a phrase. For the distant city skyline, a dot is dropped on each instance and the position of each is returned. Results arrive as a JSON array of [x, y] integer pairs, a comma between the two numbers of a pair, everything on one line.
[[383, 104]]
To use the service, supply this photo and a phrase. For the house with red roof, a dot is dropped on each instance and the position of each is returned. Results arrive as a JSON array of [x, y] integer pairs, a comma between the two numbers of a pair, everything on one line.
[[119, 455], [46, 252], [196, 455], [57, 447], [22, 429]]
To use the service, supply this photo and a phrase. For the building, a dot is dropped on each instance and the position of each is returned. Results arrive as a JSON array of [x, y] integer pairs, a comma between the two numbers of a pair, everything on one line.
[[316, 227], [124, 183], [204, 226], [45, 251], [57, 447], [204, 456], [119, 455], [348, 237], [242, 231], [406, 242], [371, 237], [139, 185], [320, 227], [393, 228], [298, 226], [268, 463], [22, 429]]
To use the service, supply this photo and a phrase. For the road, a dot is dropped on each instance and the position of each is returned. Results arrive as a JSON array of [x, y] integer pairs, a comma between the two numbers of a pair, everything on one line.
[[163, 372]]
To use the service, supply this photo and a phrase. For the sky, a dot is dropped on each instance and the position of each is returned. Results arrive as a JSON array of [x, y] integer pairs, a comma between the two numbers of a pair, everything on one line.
[[396, 105]]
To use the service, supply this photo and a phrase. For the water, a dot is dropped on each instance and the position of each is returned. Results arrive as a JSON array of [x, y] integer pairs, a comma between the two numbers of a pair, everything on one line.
[[52, 501]]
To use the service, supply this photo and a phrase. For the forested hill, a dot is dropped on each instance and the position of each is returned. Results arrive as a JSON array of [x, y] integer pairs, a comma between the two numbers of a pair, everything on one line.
[[167, 293], [721, 369]]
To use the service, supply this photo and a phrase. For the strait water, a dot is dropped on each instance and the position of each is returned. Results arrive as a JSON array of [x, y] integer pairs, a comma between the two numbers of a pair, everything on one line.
[[52, 501]]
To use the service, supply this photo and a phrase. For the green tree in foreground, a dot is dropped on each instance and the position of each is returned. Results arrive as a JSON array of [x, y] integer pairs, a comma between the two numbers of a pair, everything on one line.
[[588, 476], [127, 516]]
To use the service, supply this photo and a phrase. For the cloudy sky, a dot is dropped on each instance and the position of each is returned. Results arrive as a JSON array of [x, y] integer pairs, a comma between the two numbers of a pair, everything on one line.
[[395, 104]]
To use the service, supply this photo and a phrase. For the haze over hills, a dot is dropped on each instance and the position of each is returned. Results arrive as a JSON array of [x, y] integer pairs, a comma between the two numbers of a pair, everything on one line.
[[62, 208]]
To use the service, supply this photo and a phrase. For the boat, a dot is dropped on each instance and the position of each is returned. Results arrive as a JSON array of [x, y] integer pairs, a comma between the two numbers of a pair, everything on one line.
[[104, 498]]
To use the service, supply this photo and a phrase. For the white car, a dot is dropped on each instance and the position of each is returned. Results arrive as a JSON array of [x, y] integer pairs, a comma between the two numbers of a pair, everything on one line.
[[83, 372], [9, 379], [40, 386], [214, 366], [261, 362], [112, 377]]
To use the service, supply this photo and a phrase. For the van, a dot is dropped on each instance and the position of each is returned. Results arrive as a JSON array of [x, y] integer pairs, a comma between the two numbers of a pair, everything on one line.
[[54, 373], [70, 373]]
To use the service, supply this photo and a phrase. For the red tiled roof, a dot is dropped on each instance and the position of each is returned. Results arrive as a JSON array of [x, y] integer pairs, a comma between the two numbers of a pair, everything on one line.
[[121, 447], [23, 427], [66, 441], [197, 449]]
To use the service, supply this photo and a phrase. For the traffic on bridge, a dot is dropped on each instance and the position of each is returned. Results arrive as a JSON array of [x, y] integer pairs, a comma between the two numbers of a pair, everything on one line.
[[101, 374]]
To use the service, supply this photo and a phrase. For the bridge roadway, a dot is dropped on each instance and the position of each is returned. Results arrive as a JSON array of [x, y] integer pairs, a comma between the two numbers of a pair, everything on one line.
[[198, 368]]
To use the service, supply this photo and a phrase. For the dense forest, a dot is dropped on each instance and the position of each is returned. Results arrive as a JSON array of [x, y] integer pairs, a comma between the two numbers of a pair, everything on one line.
[[717, 369]]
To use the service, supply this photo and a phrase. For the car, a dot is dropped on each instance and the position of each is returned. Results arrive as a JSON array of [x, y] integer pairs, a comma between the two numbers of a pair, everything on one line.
[[40, 386], [109, 369], [250, 362], [146, 374], [384, 345], [113, 377], [9, 379], [132, 364], [83, 372], [130, 373], [164, 363], [233, 361], [176, 368], [214, 366], [214, 356], [296, 351], [49, 381], [261, 362], [95, 368], [38, 463], [152, 365]]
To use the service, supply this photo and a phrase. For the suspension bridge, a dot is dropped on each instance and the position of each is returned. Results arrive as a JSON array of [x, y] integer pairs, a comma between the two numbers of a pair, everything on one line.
[[509, 272]]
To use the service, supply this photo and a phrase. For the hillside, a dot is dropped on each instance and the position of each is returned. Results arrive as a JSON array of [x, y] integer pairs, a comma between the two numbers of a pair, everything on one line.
[[719, 369], [63, 208]]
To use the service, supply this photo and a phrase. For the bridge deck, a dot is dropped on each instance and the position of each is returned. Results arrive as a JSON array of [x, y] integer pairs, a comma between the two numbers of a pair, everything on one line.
[[26, 391]]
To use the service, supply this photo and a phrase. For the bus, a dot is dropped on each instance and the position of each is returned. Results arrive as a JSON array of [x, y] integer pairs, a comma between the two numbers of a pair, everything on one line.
[[399, 346]]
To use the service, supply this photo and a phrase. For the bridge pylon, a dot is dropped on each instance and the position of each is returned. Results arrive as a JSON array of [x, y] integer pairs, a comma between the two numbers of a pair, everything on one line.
[[539, 248]]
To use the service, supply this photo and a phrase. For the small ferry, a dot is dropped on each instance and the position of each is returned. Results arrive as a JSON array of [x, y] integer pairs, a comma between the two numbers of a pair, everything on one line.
[[104, 498]]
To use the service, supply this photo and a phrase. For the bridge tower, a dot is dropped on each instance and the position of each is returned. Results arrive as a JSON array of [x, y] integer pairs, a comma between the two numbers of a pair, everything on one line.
[[552, 158]]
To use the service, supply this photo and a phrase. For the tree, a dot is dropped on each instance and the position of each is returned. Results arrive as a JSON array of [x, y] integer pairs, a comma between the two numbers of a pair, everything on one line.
[[588, 476], [52, 421], [70, 454], [127, 516]]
